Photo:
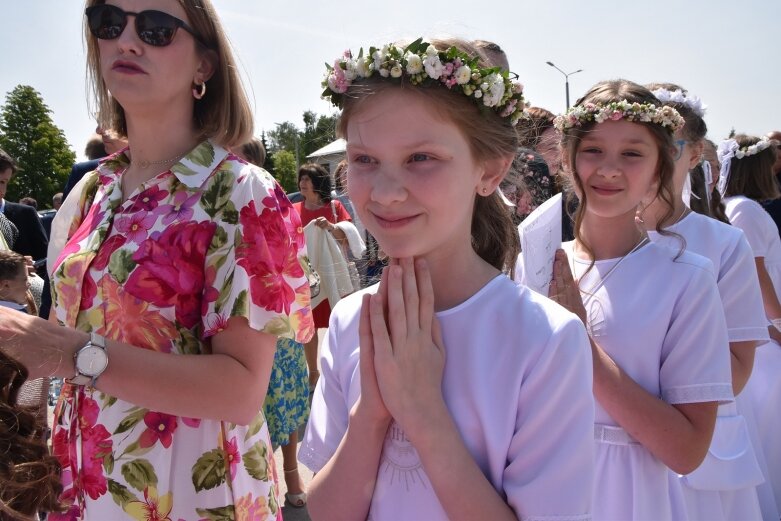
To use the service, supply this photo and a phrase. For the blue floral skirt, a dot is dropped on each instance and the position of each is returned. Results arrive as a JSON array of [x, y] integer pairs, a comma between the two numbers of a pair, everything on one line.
[[287, 400]]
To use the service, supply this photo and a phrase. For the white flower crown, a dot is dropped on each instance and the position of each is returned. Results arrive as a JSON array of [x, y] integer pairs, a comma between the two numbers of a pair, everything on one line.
[[729, 149], [667, 117], [422, 63], [677, 96]]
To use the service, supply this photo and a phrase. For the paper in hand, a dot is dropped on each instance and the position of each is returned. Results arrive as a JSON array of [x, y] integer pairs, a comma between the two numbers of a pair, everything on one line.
[[540, 238]]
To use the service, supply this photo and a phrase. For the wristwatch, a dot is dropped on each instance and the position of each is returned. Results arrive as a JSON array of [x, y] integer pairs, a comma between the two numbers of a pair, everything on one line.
[[91, 360]]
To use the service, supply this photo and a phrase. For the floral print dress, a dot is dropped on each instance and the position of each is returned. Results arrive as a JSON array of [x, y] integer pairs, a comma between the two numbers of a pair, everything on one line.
[[164, 270]]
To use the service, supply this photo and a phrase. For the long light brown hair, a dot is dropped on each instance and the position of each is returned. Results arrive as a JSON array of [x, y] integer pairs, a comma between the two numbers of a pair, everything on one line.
[[494, 236]]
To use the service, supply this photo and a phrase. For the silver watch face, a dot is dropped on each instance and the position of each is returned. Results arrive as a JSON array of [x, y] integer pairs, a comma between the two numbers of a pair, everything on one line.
[[91, 360]]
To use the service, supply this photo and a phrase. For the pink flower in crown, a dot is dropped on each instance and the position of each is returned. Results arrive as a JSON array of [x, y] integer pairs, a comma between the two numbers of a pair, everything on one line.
[[447, 70], [337, 81], [616, 115], [136, 226]]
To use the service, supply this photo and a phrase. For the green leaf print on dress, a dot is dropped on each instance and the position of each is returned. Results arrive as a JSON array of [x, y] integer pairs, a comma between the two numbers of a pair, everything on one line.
[[209, 470], [256, 461], [139, 474]]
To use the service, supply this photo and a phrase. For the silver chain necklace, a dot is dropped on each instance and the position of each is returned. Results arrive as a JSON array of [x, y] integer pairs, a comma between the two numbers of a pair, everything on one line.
[[590, 293]]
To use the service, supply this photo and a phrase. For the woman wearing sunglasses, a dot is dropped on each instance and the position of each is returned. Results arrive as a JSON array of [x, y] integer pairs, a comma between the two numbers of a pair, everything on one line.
[[182, 265]]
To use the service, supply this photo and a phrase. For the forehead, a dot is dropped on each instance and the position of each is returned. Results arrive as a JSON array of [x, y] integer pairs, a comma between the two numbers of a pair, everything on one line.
[[6, 174], [173, 7], [421, 119], [620, 131]]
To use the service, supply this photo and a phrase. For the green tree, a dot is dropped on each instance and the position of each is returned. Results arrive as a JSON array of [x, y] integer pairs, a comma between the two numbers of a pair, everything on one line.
[[268, 164], [28, 134], [285, 170], [318, 132]]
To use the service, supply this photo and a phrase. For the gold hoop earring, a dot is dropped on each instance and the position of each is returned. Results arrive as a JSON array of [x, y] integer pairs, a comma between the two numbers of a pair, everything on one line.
[[200, 91]]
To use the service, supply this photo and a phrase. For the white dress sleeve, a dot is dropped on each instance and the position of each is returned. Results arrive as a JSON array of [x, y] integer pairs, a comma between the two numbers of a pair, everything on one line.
[[551, 456], [750, 217], [695, 352], [741, 296], [331, 401]]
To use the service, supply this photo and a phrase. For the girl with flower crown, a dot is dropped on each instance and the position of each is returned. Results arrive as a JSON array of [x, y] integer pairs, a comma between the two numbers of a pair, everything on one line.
[[746, 180], [653, 313], [724, 486], [446, 391]]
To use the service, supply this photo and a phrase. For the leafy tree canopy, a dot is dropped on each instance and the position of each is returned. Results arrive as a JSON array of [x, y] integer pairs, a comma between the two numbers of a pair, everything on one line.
[[29, 135]]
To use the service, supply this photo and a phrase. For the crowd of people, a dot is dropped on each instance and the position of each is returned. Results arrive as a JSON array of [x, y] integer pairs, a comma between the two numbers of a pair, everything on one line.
[[187, 292]]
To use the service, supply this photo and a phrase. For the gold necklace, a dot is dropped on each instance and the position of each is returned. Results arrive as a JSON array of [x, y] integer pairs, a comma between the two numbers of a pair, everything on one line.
[[144, 164]]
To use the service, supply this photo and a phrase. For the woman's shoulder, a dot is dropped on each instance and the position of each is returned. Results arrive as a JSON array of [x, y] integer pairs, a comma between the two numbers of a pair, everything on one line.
[[678, 260]]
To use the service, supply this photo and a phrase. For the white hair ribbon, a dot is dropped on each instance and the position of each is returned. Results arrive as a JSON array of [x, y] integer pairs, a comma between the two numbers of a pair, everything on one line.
[[725, 152], [708, 174]]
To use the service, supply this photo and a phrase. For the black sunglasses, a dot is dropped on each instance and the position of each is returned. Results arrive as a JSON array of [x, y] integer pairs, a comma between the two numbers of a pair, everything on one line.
[[155, 28]]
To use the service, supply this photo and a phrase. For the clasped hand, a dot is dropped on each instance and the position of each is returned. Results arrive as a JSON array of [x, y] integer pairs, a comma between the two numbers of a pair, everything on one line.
[[564, 288], [402, 354]]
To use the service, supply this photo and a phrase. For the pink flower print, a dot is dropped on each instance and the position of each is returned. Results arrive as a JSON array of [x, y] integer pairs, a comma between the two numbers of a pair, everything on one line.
[[182, 207], [136, 226], [170, 271], [615, 116], [232, 456], [159, 426], [108, 247], [87, 226], [191, 422], [148, 200], [216, 323]]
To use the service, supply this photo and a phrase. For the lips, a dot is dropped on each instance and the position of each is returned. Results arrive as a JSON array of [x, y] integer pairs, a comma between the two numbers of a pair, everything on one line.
[[606, 190], [127, 67], [394, 221]]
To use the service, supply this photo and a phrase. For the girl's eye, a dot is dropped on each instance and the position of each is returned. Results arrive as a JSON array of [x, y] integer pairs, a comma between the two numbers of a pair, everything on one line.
[[590, 150], [362, 159], [632, 153], [419, 157]]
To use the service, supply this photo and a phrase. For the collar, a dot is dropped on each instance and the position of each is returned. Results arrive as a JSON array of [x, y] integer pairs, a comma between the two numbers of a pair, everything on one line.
[[192, 170], [13, 305], [2, 205]]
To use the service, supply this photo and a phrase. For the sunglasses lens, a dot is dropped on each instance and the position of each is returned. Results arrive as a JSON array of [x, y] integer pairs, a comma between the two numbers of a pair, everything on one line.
[[156, 28], [106, 21]]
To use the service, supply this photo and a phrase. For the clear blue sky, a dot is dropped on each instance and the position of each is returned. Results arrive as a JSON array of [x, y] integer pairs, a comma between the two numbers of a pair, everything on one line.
[[723, 51]]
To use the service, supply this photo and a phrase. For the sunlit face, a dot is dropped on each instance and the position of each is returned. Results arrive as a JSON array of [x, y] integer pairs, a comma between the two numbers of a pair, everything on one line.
[[616, 163], [412, 179], [14, 289], [5, 178], [550, 149], [142, 76]]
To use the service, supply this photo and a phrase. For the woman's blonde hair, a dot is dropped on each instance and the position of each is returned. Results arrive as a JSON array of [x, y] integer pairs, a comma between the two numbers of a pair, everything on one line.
[[223, 115], [494, 236]]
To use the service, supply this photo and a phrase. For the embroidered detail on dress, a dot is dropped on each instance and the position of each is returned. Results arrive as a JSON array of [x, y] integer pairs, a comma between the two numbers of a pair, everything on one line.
[[400, 459], [699, 393]]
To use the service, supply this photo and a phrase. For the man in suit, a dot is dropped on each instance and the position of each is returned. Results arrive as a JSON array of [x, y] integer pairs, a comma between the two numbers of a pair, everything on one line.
[[102, 144], [32, 239]]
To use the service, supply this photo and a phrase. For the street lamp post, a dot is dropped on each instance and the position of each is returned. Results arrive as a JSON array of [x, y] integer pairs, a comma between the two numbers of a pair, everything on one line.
[[566, 79]]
